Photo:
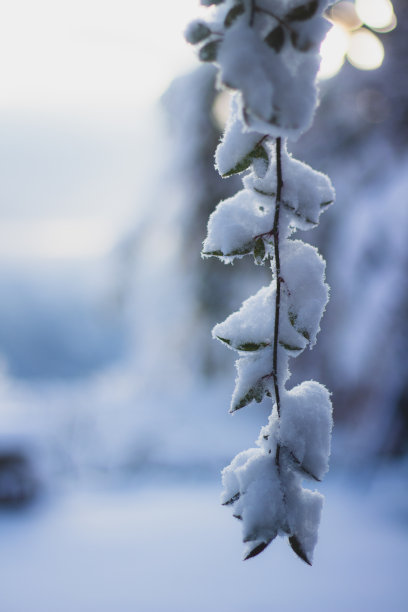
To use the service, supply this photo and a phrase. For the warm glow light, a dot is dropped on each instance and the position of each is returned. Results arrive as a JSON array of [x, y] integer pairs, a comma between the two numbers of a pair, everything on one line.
[[377, 14], [333, 50], [344, 13], [366, 50]]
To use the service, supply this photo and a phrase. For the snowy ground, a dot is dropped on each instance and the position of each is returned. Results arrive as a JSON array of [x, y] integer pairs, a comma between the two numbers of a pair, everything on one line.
[[171, 547]]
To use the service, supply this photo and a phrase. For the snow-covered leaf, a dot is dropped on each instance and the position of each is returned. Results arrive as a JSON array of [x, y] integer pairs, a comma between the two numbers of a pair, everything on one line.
[[196, 32], [233, 14], [208, 53], [235, 225], [276, 38], [305, 426], [255, 393], [297, 548], [259, 251], [256, 548], [244, 163]]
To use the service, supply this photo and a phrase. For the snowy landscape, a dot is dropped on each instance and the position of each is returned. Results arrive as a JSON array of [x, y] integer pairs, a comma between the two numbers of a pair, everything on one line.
[[114, 398]]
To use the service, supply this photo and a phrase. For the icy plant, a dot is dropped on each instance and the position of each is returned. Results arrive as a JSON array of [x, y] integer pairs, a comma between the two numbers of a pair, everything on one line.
[[267, 52]]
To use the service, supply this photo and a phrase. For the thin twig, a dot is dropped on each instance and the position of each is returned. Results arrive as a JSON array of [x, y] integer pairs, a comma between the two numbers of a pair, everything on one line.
[[279, 185]]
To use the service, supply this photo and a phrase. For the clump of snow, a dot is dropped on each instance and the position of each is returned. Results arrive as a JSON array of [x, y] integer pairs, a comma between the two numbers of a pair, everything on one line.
[[303, 271], [235, 224], [306, 193], [305, 426], [304, 509]]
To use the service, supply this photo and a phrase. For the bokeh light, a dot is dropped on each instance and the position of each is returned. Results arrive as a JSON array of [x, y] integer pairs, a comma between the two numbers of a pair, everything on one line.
[[377, 14], [366, 50], [333, 51], [352, 35]]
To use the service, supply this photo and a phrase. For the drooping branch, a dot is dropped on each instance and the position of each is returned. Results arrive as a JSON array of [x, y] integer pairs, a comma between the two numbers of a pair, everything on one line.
[[278, 280]]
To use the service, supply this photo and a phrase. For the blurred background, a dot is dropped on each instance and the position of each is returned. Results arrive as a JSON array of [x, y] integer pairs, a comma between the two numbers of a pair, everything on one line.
[[114, 400]]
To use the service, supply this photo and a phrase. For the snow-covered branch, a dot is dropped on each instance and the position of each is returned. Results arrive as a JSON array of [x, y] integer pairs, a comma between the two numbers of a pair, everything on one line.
[[267, 53]]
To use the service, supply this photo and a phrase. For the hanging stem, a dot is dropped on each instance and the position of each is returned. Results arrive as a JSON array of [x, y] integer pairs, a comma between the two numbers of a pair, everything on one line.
[[279, 185], [275, 231]]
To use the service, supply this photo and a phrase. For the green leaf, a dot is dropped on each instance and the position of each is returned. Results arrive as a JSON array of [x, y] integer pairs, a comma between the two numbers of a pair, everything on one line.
[[244, 250], [208, 53], [252, 346], [289, 347], [304, 333], [271, 194], [299, 44], [259, 251], [293, 318], [276, 39], [212, 253], [257, 549], [232, 15], [197, 32], [301, 467], [232, 500], [297, 548], [258, 152], [296, 213], [303, 12], [211, 2], [225, 340], [255, 393]]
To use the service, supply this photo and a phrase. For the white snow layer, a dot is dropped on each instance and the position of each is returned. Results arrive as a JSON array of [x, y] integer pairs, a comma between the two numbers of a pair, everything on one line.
[[235, 223], [239, 221], [303, 299], [272, 60], [304, 428], [306, 192]]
